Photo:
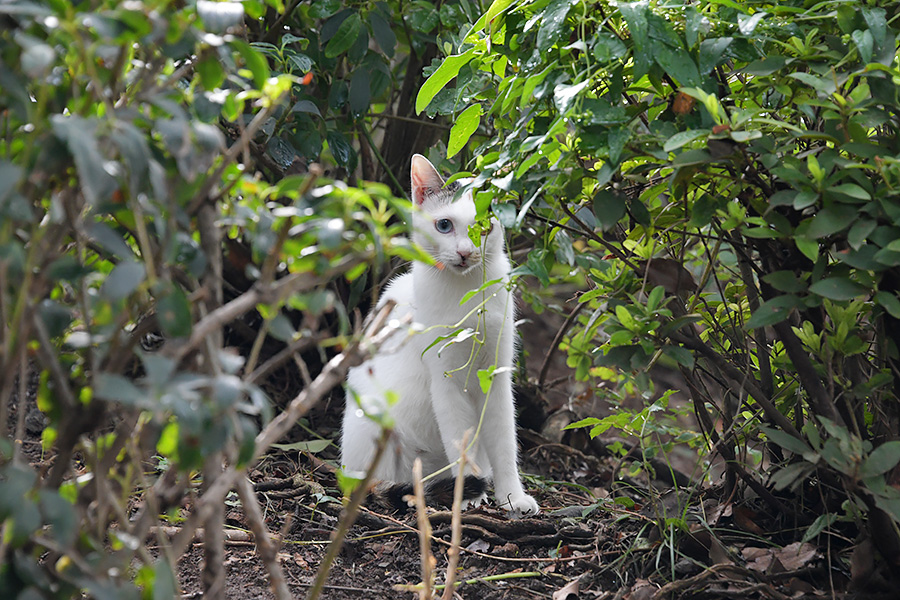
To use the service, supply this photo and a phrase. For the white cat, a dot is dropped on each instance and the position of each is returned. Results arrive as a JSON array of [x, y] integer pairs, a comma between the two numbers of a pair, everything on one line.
[[438, 388]]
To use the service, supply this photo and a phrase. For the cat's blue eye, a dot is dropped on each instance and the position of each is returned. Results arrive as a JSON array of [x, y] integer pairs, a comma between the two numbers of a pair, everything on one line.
[[443, 225]]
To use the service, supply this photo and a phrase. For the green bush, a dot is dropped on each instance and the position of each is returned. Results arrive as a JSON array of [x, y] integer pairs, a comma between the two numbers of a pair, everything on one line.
[[723, 179]]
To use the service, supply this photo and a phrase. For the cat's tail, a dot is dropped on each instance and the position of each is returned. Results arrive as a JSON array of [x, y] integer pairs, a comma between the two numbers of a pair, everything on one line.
[[394, 496]]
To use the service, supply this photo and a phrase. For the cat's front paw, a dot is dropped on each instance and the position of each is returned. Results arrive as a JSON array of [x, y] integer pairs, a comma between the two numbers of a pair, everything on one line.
[[519, 505]]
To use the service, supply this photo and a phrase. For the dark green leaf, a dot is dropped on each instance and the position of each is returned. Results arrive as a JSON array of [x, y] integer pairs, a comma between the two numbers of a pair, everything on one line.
[[681, 355], [322, 9], [174, 314], [838, 288], [383, 33], [552, 24], [785, 281], [344, 37], [773, 311], [60, 514], [679, 64], [116, 388], [882, 459], [79, 135], [306, 106], [608, 208], [422, 16], [889, 302], [787, 441], [164, 585], [340, 148], [831, 220], [766, 66], [360, 92]]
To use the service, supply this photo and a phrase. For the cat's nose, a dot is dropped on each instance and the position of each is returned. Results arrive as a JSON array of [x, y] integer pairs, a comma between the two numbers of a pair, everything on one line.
[[464, 254]]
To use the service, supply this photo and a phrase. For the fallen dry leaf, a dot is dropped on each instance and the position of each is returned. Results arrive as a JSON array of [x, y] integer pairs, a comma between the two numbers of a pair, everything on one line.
[[641, 590], [796, 555], [778, 560], [568, 591]]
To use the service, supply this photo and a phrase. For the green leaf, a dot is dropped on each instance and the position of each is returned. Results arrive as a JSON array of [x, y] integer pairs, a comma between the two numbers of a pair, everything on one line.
[[824, 85], [123, 280], [164, 585], [383, 33], [441, 77], [838, 288], [852, 190], [684, 137], [889, 302], [785, 281], [254, 61], [60, 514], [681, 355], [588, 422], [174, 314], [773, 311], [466, 124], [344, 37], [821, 523], [485, 377], [787, 441], [79, 135], [116, 388], [882, 459], [655, 297], [496, 7], [552, 23], [609, 208], [422, 16], [360, 90], [678, 63], [831, 220]]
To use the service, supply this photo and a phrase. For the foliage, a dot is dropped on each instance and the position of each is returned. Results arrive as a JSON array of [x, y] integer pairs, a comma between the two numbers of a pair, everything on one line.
[[142, 142], [723, 179], [720, 179]]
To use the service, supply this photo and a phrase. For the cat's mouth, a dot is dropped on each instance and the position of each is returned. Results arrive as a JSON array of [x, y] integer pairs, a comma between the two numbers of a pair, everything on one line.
[[464, 265]]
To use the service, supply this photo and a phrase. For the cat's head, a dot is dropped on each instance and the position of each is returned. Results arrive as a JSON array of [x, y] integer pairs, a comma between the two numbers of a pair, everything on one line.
[[441, 225]]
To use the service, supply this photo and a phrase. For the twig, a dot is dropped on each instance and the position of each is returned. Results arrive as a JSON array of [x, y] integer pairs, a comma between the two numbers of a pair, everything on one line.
[[731, 372], [356, 500], [268, 551], [456, 522], [590, 232], [556, 340], [426, 558]]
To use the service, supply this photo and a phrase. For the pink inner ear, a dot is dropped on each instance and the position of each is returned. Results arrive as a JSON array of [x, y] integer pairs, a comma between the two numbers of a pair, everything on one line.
[[425, 179]]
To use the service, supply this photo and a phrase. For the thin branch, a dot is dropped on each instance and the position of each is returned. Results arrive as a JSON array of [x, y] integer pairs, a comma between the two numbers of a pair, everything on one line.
[[593, 235], [268, 551], [545, 366], [741, 379]]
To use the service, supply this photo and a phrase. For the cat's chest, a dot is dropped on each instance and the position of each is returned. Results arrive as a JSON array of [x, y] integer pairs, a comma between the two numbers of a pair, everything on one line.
[[474, 334]]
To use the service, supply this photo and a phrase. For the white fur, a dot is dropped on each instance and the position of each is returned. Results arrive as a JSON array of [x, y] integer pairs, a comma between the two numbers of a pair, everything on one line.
[[438, 389]]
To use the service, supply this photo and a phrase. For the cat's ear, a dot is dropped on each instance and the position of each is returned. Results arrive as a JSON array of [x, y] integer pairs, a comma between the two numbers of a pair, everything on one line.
[[425, 179]]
